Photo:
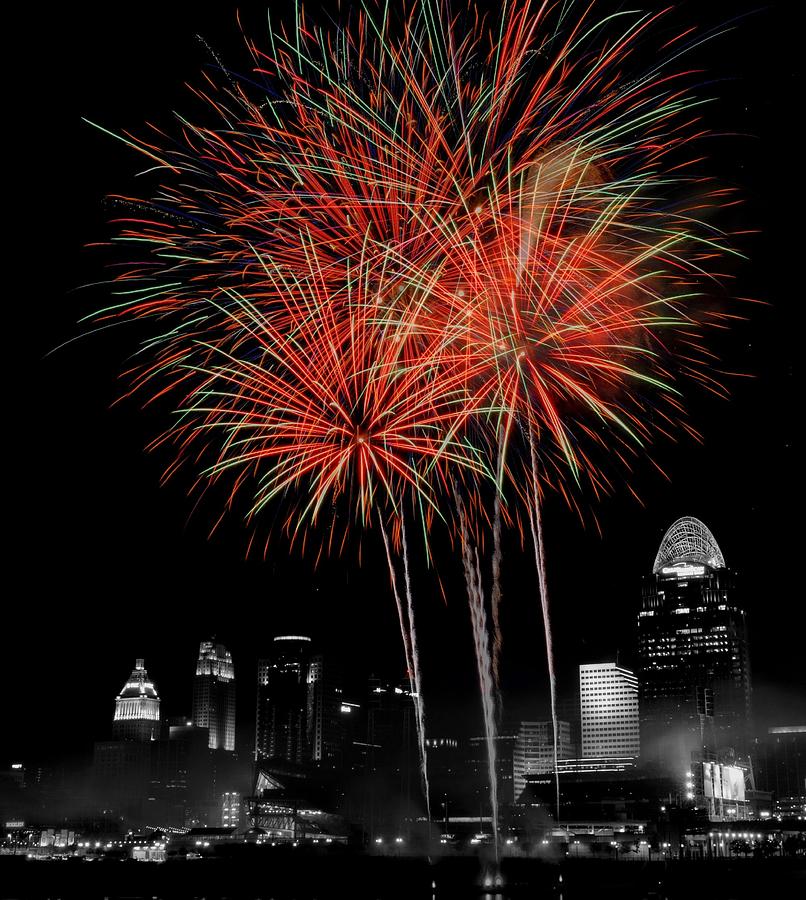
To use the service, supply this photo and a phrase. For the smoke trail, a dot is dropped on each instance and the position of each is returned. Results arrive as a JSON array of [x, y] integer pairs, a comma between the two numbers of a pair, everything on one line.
[[495, 597], [478, 617], [405, 617], [535, 520], [404, 632], [419, 705]]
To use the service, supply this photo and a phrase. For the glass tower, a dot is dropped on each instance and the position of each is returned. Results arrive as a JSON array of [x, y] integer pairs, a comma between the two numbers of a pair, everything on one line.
[[282, 701], [693, 672], [326, 712]]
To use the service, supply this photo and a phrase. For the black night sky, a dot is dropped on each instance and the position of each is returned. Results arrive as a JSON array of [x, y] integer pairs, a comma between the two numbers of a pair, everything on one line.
[[105, 565]]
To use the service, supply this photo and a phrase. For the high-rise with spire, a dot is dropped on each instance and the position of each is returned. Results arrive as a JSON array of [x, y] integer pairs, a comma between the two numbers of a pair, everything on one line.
[[137, 708]]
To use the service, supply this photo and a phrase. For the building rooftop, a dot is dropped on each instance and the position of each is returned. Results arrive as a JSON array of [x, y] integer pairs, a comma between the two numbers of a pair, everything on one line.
[[139, 684], [688, 541]]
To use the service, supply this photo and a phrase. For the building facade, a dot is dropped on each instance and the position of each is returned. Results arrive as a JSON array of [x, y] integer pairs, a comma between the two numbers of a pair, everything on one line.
[[214, 695], [533, 753], [137, 708], [281, 730], [122, 768], [230, 809], [694, 671], [327, 712], [476, 766], [780, 761], [608, 698]]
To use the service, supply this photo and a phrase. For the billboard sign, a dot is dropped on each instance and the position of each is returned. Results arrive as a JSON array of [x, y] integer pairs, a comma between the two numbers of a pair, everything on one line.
[[723, 782]]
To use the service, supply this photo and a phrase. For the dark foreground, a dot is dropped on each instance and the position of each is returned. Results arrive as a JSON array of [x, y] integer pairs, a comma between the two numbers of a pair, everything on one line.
[[302, 877]]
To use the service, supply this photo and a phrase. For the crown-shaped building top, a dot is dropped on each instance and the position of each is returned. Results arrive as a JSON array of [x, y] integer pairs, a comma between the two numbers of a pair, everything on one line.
[[139, 684], [688, 542], [215, 659], [137, 707]]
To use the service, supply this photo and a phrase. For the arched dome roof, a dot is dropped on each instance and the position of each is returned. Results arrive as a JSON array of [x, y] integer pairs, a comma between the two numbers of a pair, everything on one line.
[[688, 541]]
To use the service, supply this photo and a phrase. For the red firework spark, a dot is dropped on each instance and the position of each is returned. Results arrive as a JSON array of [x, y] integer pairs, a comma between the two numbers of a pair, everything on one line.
[[415, 239]]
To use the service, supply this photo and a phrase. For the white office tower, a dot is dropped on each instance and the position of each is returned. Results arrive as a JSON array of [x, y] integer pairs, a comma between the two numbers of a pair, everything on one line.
[[608, 698]]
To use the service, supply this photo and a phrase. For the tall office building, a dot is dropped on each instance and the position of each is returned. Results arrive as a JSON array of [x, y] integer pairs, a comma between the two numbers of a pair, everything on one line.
[[214, 695], [391, 727], [183, 775], [122, 767], [475, 771], [693, 673], [608, 699], [534, 751], [391, 757], [137, 708], [780, 762], [327, 712], [282, 701]]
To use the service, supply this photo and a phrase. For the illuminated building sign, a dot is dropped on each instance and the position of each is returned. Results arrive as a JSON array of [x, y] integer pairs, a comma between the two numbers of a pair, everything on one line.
[[683, 571]]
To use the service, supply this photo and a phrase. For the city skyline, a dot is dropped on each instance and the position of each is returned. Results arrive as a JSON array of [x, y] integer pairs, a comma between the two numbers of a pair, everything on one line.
[[293, 726], [688, 551], [329, 764], [464, 720]]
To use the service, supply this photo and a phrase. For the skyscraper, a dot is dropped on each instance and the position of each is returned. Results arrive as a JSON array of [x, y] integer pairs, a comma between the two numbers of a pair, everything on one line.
[[122, 767], [694, 673], [781, 767], [214, 695], [137, 708], [326, 712], [282, 701], [475, 773], [391, 755], [608, 697], [534, 751]]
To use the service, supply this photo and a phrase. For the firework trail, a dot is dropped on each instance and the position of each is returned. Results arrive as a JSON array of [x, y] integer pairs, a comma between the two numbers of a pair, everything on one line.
[[478, 617], [406, 620], [495, 600], [419, 702], [536, 522], [495, 588]]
